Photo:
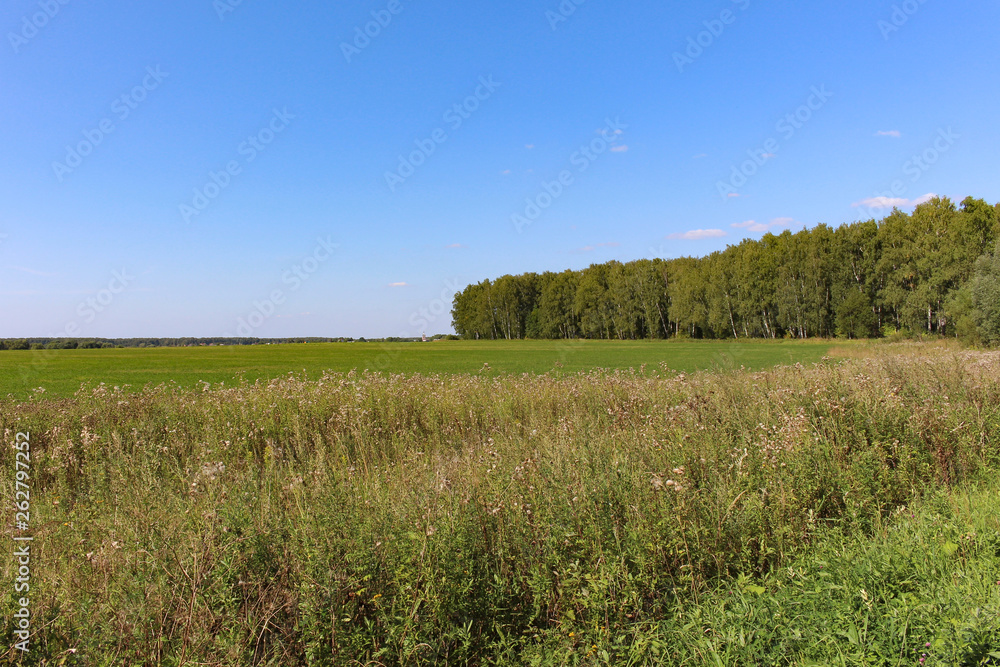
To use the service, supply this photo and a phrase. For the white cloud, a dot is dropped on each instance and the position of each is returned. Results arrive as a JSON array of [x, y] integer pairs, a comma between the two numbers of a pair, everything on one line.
[[889, 133], [619, 149], [529, 146], [893, 202], [880, 202], [700, 156], [454, 246], [697, 235], [759, 227], [399, 285]]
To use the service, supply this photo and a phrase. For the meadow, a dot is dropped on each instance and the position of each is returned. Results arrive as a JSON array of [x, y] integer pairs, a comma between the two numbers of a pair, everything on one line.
[[61, 372], [837, 512]]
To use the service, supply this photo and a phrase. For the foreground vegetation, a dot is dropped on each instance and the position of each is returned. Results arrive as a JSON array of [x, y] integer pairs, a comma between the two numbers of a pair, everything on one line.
[[59, 373], [837, 513]]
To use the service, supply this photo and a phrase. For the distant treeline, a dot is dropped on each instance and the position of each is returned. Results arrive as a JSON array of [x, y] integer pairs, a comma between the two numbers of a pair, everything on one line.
[[96, 343], [929, 271]]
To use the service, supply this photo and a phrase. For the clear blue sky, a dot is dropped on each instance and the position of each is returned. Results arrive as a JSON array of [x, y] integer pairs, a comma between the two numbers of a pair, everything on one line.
[[310, 128]]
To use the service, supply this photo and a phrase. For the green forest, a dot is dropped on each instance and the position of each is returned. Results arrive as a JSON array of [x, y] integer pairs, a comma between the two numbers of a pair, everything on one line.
[[935, 270]]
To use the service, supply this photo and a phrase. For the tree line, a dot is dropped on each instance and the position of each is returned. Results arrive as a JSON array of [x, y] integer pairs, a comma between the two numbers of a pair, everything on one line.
[[936, 270], [102, 343]]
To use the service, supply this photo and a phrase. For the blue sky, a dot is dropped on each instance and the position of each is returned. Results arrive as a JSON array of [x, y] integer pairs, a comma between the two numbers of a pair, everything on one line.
[[201, 168]]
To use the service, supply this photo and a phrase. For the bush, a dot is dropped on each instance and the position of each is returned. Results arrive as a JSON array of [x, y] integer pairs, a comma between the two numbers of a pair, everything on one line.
[[855, 317], [985, 290]]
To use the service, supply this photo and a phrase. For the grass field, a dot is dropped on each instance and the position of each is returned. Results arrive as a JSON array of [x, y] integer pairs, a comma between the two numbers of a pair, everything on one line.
[[842, 513], [61, 372]]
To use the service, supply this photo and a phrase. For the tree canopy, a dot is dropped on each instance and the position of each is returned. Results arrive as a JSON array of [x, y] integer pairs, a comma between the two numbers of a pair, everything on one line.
[[919, 272]]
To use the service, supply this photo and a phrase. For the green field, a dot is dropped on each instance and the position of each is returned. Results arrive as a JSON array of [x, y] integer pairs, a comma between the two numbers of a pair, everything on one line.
[[61, 372], [840, 513]]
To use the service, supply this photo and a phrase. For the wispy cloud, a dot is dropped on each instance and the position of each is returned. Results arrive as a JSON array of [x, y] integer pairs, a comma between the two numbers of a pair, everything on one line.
[[399, 284], [590, 248], [33, 272], [889, 133], [65, 292], [697, 235], [619, 149], [734, 194], [756, 227], [454, 246], [529, 146], [699, 156], [893, 202]]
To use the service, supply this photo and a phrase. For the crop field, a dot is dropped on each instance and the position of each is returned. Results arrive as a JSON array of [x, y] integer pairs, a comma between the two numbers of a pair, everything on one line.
[[61, 372], [837, 511]]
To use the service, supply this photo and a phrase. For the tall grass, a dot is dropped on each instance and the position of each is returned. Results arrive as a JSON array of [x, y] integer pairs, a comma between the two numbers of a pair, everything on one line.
[[586, 519]]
